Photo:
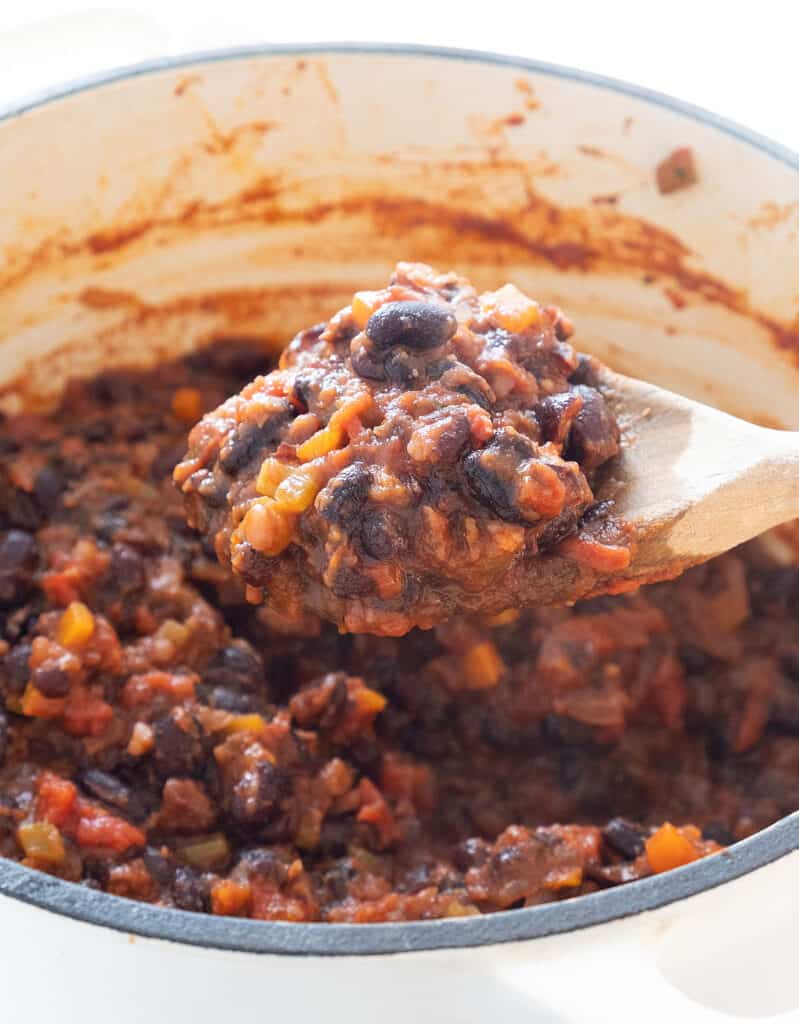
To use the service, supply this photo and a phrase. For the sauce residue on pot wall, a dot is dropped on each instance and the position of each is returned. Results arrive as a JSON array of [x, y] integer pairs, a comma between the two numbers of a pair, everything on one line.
[[483, 210]]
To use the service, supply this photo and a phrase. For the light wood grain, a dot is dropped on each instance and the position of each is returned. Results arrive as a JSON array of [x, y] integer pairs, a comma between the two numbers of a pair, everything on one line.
[[693, 481]]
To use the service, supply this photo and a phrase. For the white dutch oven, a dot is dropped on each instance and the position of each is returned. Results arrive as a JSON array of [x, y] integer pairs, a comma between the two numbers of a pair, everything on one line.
[[250, 192]]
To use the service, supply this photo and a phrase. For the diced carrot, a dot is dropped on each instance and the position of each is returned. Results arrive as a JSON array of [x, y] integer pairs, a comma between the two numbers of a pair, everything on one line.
[[56, 799], [482, 666], [41, 841], [187, 405], [230, 898], [245, 723], [271, 474], [76, 626], [107, 832], [669, 848], [61, 587]]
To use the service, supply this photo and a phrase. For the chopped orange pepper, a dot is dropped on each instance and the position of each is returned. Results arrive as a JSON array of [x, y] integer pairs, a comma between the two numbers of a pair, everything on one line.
[[568, 878], [246, 723], [510, 308], [76, 625], [482, 666], [669, 848], [57, 799], [230, 898], [41, 841], [297, 492], [36, 705], [187, 405], [370, 701], [363, 305], [504, 618], [272, 473]]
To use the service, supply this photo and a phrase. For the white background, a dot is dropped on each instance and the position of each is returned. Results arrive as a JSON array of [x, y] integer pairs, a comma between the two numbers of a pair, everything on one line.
[[740, 59]]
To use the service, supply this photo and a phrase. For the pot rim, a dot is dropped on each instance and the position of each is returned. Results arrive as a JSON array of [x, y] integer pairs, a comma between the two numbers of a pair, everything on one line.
[[241, 935]]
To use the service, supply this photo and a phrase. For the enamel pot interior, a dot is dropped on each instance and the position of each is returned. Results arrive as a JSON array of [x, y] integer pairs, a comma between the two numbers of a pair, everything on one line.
[[250, 193]]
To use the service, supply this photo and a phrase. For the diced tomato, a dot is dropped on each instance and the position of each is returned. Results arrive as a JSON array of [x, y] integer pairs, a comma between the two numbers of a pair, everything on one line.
[[594, 554], [86, 715], [376, 811], [106, 832], [143, 688], [57, 799]]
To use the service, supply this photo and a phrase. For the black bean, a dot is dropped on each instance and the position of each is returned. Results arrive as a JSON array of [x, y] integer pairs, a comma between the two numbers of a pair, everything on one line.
[[349, 583], [127, 569], [51, 680], [337, 701], [471, 853], [225, 699], [343, 499], [490, 487], [18, 561], [248, 441], [257, 794], [556, 413], [381, 534], [694, 658], [160, 868], [177, 751], [594, 434], [107, 787], [97, 430], [5, 736], [48, 486], [626, 838], [235, 667], [335, 836], [15, 672], [189, 891], [416, 325], [717, 745], [366, 362], [718, 833], [571, 764]]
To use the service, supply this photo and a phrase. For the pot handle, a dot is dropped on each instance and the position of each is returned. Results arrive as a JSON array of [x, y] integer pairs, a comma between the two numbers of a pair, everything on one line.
[[36, 55], [724, 955]]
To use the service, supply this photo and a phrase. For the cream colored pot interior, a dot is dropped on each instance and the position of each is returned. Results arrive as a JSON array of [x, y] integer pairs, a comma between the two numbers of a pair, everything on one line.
[[253, 195]]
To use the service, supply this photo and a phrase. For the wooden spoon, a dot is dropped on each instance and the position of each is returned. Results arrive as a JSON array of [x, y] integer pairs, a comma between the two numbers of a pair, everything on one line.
[[692, 481]]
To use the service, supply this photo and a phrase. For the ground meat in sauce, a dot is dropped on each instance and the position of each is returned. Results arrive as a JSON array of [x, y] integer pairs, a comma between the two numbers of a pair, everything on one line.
[[426, 452], [161, 739]]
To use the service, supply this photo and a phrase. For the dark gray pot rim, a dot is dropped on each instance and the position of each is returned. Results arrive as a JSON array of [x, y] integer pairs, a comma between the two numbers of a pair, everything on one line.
[[124, 915]]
